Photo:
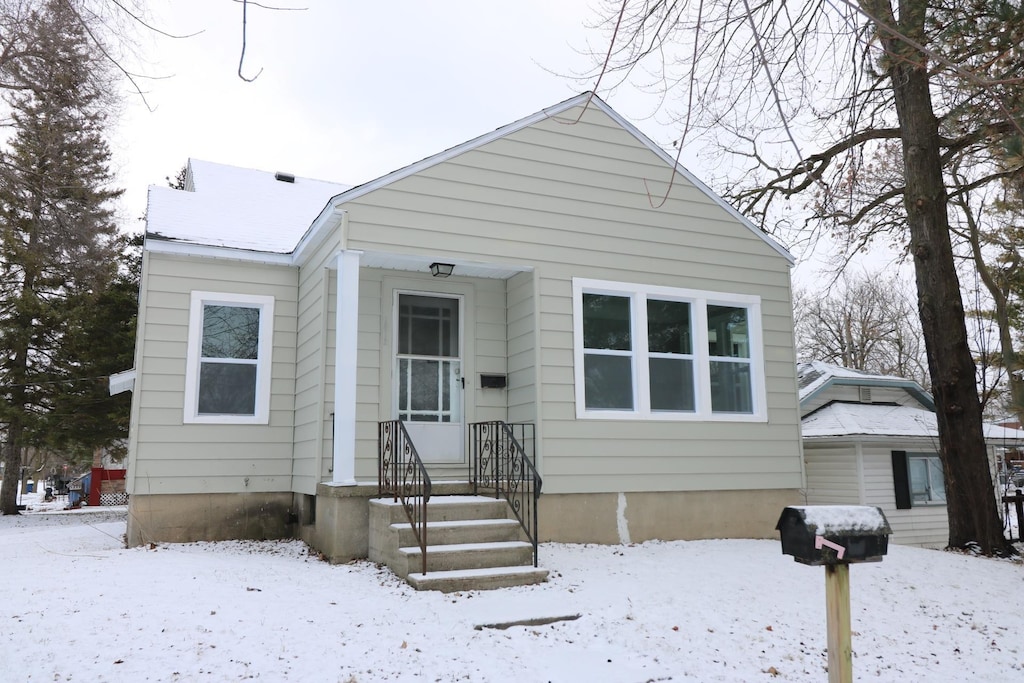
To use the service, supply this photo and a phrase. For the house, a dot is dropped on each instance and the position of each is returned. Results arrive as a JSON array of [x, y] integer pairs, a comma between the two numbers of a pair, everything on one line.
[[555, 274], [873, 440]]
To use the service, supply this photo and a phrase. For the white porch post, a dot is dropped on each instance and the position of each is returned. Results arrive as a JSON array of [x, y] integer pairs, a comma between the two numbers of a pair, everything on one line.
[[346, 328]]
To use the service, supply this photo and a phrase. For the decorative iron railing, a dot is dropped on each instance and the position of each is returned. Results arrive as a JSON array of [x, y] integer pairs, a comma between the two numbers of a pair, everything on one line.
[[501, 458], [401, 474]]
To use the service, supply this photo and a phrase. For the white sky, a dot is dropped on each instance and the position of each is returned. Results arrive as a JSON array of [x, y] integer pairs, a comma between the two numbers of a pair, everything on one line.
[[349, 90]]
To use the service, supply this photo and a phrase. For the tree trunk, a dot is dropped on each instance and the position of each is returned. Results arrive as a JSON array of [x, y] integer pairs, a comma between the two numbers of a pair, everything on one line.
[[970, 497], [12, 469]]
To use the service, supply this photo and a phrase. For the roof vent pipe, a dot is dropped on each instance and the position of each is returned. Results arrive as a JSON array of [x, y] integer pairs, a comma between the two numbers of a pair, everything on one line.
[[284, 177]]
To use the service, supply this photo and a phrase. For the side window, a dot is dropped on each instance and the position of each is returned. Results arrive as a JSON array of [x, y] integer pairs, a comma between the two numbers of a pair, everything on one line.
[[917, 479], [229, 355], [926, 483]]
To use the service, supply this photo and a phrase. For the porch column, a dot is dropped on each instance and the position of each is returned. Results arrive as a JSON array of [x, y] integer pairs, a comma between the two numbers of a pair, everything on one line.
[[346, 338]]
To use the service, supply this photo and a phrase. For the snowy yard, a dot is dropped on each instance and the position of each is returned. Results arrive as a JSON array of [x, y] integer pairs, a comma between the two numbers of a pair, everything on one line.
[[76, 606]]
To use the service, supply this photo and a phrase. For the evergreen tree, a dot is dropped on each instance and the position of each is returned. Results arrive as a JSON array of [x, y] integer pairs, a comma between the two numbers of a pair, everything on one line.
[[57, 236]]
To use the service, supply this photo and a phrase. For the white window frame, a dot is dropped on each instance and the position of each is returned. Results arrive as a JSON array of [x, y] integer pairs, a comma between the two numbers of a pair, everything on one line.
[[264, 356], [699, 300], [911, 456]]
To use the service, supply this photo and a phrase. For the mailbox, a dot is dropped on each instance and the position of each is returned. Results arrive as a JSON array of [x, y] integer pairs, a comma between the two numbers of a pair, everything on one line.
[[834, 534]]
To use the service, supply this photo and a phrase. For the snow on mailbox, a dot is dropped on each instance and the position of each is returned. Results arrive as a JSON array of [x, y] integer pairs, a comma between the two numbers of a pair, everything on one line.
[[834, 534]]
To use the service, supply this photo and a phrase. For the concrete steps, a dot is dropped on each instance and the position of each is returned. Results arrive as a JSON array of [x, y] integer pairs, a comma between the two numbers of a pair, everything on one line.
[[473, 543]]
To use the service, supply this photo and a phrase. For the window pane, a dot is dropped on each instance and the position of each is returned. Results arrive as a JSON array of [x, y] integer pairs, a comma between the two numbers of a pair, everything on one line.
[[730, 388], [428, 325], [230, 332], [668, 327], [672, 384], [425, 385], [918, 470], [606, 322], [608, 382], [727, 332], [227, 389], [938, 484]]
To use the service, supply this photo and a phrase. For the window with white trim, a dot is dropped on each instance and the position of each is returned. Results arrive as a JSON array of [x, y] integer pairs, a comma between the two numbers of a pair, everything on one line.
[[649, 352], [230, 341]]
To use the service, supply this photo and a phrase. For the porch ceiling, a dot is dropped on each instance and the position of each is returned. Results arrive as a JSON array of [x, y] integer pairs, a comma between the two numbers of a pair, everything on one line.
[[421, 264]]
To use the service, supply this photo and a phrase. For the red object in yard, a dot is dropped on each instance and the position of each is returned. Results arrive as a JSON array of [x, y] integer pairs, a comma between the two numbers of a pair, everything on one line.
[[99, 475]]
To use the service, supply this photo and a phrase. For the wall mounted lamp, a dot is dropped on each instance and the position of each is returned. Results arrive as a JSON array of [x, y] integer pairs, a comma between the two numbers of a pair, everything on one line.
[[441, 269]]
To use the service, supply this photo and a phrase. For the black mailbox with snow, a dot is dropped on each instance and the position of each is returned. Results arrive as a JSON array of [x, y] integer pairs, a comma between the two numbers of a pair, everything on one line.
[[834, 534]]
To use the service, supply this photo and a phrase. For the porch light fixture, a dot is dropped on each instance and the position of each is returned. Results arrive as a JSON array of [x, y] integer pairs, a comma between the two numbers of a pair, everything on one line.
[[441, 269]]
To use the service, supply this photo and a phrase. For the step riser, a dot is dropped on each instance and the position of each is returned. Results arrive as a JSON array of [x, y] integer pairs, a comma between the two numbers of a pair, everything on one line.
[[467, 559], [473, 534], [451, 585], [442, 512]]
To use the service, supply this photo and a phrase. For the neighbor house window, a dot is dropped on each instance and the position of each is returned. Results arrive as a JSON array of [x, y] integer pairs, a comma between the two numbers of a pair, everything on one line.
[[917, 479], [229, 354], [665, 353]]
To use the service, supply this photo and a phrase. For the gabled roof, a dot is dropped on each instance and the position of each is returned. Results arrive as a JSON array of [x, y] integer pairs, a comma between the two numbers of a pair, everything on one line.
[[258, 214], [816, 377], [236, 208], [882, 420]]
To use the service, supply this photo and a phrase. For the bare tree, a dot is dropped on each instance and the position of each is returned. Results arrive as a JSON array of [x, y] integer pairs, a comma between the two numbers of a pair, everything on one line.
[[935, 83], [865, 322]]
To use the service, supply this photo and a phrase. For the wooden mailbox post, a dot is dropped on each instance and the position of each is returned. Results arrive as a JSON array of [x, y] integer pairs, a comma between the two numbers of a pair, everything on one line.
[[835, 536]]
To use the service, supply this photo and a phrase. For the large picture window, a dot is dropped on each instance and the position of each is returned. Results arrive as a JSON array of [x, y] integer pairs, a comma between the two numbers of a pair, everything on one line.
[[664, 353], [229, 353]]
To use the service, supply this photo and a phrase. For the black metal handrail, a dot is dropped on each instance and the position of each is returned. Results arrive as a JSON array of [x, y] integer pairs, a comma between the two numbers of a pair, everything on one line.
[[499, 460], [402, 475]]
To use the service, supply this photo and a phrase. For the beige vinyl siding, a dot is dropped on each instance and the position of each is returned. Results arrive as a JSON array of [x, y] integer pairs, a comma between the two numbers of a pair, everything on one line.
[[571, 201], [312, 451], [522, 350], [171, 457]]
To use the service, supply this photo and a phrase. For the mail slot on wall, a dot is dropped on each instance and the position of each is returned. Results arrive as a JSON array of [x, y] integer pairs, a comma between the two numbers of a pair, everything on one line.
[[834, 534], [493, 381]]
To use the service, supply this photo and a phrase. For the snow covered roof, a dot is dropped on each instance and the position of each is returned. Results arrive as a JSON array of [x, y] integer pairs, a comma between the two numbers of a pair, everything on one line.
[[238, 208], [882, 420], [816, 376], [250, 210]]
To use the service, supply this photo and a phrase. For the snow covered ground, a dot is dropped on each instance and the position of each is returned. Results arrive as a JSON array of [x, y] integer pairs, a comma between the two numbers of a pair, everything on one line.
[[75, 605]]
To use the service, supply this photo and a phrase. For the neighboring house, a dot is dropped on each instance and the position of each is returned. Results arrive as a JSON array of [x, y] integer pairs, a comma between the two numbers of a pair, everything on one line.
[[873, 440], [637, 321]]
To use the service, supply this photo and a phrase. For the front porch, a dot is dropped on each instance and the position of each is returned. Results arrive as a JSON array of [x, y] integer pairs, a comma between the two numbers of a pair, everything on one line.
[[445, 535]]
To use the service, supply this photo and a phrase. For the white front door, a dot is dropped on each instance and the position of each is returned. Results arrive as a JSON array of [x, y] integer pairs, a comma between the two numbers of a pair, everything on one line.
[[428, 375]]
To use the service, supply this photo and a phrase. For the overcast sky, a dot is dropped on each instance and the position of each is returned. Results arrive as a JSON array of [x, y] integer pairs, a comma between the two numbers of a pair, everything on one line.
[[349, 90]]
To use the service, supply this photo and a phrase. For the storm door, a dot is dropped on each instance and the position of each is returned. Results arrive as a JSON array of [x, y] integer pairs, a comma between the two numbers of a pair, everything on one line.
[[428, 375]]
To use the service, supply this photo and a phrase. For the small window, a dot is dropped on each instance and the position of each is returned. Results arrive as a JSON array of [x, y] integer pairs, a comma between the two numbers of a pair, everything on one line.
[[917, 479], [229, 353], [926, 482]]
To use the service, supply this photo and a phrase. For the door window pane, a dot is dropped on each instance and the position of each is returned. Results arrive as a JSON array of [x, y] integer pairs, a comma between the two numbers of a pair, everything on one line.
[[606, 322], [672, 384], [428, 326], [728, 336], [608, 382], [668, 327], [730, 388]]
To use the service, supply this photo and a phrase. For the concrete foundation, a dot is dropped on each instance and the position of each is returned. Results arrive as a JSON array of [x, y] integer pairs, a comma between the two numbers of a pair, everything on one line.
[[610, 518], [183, 518], [336, 522]]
